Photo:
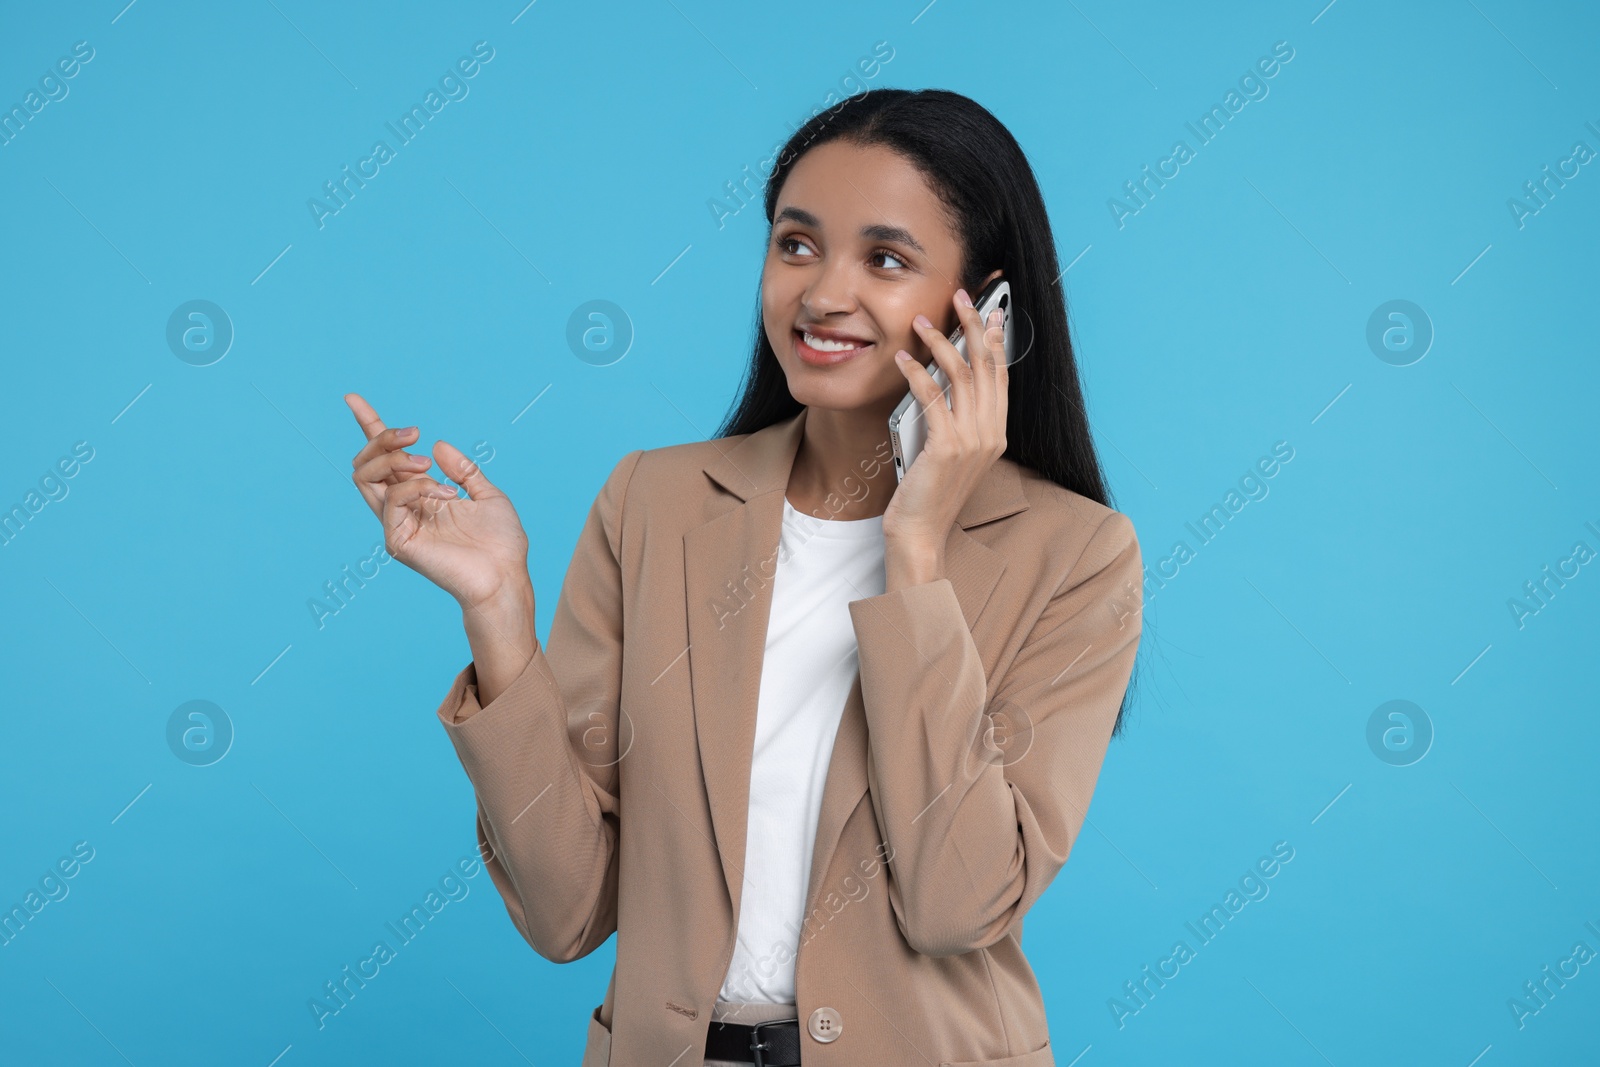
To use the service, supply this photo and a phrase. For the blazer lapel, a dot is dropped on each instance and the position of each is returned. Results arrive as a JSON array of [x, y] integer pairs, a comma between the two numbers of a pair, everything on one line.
[[729, 565]]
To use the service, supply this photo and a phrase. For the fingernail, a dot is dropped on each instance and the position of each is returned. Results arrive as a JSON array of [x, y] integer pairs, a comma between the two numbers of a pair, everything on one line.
[[922, 320], [405, 431], [902, 355], [963, 299], [996, 318]]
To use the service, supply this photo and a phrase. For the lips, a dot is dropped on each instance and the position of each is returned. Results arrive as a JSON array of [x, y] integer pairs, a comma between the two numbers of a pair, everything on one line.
[[826, 348]]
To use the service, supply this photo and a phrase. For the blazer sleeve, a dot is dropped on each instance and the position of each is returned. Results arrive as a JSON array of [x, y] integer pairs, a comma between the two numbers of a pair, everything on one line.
[[542, 757], [978, 831]]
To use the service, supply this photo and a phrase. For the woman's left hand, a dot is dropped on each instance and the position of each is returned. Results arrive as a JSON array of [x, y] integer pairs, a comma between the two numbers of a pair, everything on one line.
[[964, 439]]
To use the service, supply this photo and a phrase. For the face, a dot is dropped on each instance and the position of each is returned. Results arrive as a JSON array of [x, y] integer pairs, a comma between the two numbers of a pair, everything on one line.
[[860, 246]]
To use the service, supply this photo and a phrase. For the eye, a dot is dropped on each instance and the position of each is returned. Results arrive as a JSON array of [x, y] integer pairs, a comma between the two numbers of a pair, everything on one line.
[[785, 242], [885, 253]]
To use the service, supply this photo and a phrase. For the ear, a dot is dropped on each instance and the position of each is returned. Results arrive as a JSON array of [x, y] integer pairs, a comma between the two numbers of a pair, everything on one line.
[[992, 276]]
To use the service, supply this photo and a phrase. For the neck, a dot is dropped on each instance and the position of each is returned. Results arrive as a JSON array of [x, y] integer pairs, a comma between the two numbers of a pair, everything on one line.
[[844, 468]]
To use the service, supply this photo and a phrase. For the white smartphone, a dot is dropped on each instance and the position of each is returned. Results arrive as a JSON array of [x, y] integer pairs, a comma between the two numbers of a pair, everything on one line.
[[908, 429]]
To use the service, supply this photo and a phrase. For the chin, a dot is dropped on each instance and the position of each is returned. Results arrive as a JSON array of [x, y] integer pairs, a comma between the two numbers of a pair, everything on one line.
[[833, 394]]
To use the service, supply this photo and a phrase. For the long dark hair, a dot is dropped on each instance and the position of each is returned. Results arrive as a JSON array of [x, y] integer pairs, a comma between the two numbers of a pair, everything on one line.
[[980, 173]]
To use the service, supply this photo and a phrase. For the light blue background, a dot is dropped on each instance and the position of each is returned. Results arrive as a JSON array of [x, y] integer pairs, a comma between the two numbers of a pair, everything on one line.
[[1228, 314]]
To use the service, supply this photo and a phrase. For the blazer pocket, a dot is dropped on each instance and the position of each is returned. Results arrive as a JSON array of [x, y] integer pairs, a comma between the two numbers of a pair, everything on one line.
[[597, 1050], [1039, 1057]]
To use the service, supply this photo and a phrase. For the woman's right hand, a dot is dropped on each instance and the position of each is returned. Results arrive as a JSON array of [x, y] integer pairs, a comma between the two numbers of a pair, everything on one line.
[[474, 549]]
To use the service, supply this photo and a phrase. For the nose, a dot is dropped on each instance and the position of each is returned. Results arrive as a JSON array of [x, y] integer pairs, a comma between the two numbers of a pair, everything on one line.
[[831, 291]]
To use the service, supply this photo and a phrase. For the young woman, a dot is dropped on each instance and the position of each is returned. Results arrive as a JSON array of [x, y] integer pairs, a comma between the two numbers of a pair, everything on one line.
[[809, 739]]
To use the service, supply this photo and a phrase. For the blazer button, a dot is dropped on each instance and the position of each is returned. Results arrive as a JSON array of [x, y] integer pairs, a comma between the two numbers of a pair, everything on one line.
[[825, 1025]]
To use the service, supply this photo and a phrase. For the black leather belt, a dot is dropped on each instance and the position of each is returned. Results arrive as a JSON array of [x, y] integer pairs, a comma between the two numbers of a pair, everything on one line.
[[774, 1044]]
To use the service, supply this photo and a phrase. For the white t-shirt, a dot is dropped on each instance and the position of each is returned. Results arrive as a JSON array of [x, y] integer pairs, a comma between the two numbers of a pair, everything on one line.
[[809, 667]]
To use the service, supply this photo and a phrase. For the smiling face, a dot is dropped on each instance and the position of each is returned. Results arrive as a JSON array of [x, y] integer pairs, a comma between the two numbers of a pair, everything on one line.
[[861, 244]]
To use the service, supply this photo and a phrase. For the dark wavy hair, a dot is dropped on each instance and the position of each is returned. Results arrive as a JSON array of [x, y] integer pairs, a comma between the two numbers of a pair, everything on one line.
[[983, 178]]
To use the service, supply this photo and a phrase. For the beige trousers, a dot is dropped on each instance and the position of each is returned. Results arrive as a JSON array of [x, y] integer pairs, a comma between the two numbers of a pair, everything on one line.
[[748, 1015]]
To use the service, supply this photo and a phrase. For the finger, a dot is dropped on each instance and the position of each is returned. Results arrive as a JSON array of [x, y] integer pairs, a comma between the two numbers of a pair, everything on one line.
[[371, 425], [372, 481], [392, 468], [384, 442], [948, 360], [993, 377], [455, 465], [1002, 398], [410, 494], [982, 380], [935, 412], [408, 505]]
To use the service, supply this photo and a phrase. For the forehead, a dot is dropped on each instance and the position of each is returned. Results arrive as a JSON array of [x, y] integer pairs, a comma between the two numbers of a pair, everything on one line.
[[847, 186]]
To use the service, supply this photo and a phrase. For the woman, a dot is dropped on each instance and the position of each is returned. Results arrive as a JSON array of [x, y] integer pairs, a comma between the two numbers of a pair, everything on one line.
[[809, 739]]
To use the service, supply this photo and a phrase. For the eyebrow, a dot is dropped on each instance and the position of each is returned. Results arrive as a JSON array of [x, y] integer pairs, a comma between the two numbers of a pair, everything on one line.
[[875, 231]]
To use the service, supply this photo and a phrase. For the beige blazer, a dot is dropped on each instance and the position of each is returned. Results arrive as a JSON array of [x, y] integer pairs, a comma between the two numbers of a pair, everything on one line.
[[612, 777]]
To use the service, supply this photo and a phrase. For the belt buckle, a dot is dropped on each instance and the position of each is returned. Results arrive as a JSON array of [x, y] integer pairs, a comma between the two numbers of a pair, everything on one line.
[[757, 1045]]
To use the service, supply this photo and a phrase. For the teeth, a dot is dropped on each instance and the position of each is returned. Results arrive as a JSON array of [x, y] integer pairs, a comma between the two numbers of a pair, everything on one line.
[[828, 346]]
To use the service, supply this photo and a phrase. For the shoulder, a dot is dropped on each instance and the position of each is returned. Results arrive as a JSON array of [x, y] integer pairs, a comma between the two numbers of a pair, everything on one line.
[[1071, 532], [671, 470], [667, 479]]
